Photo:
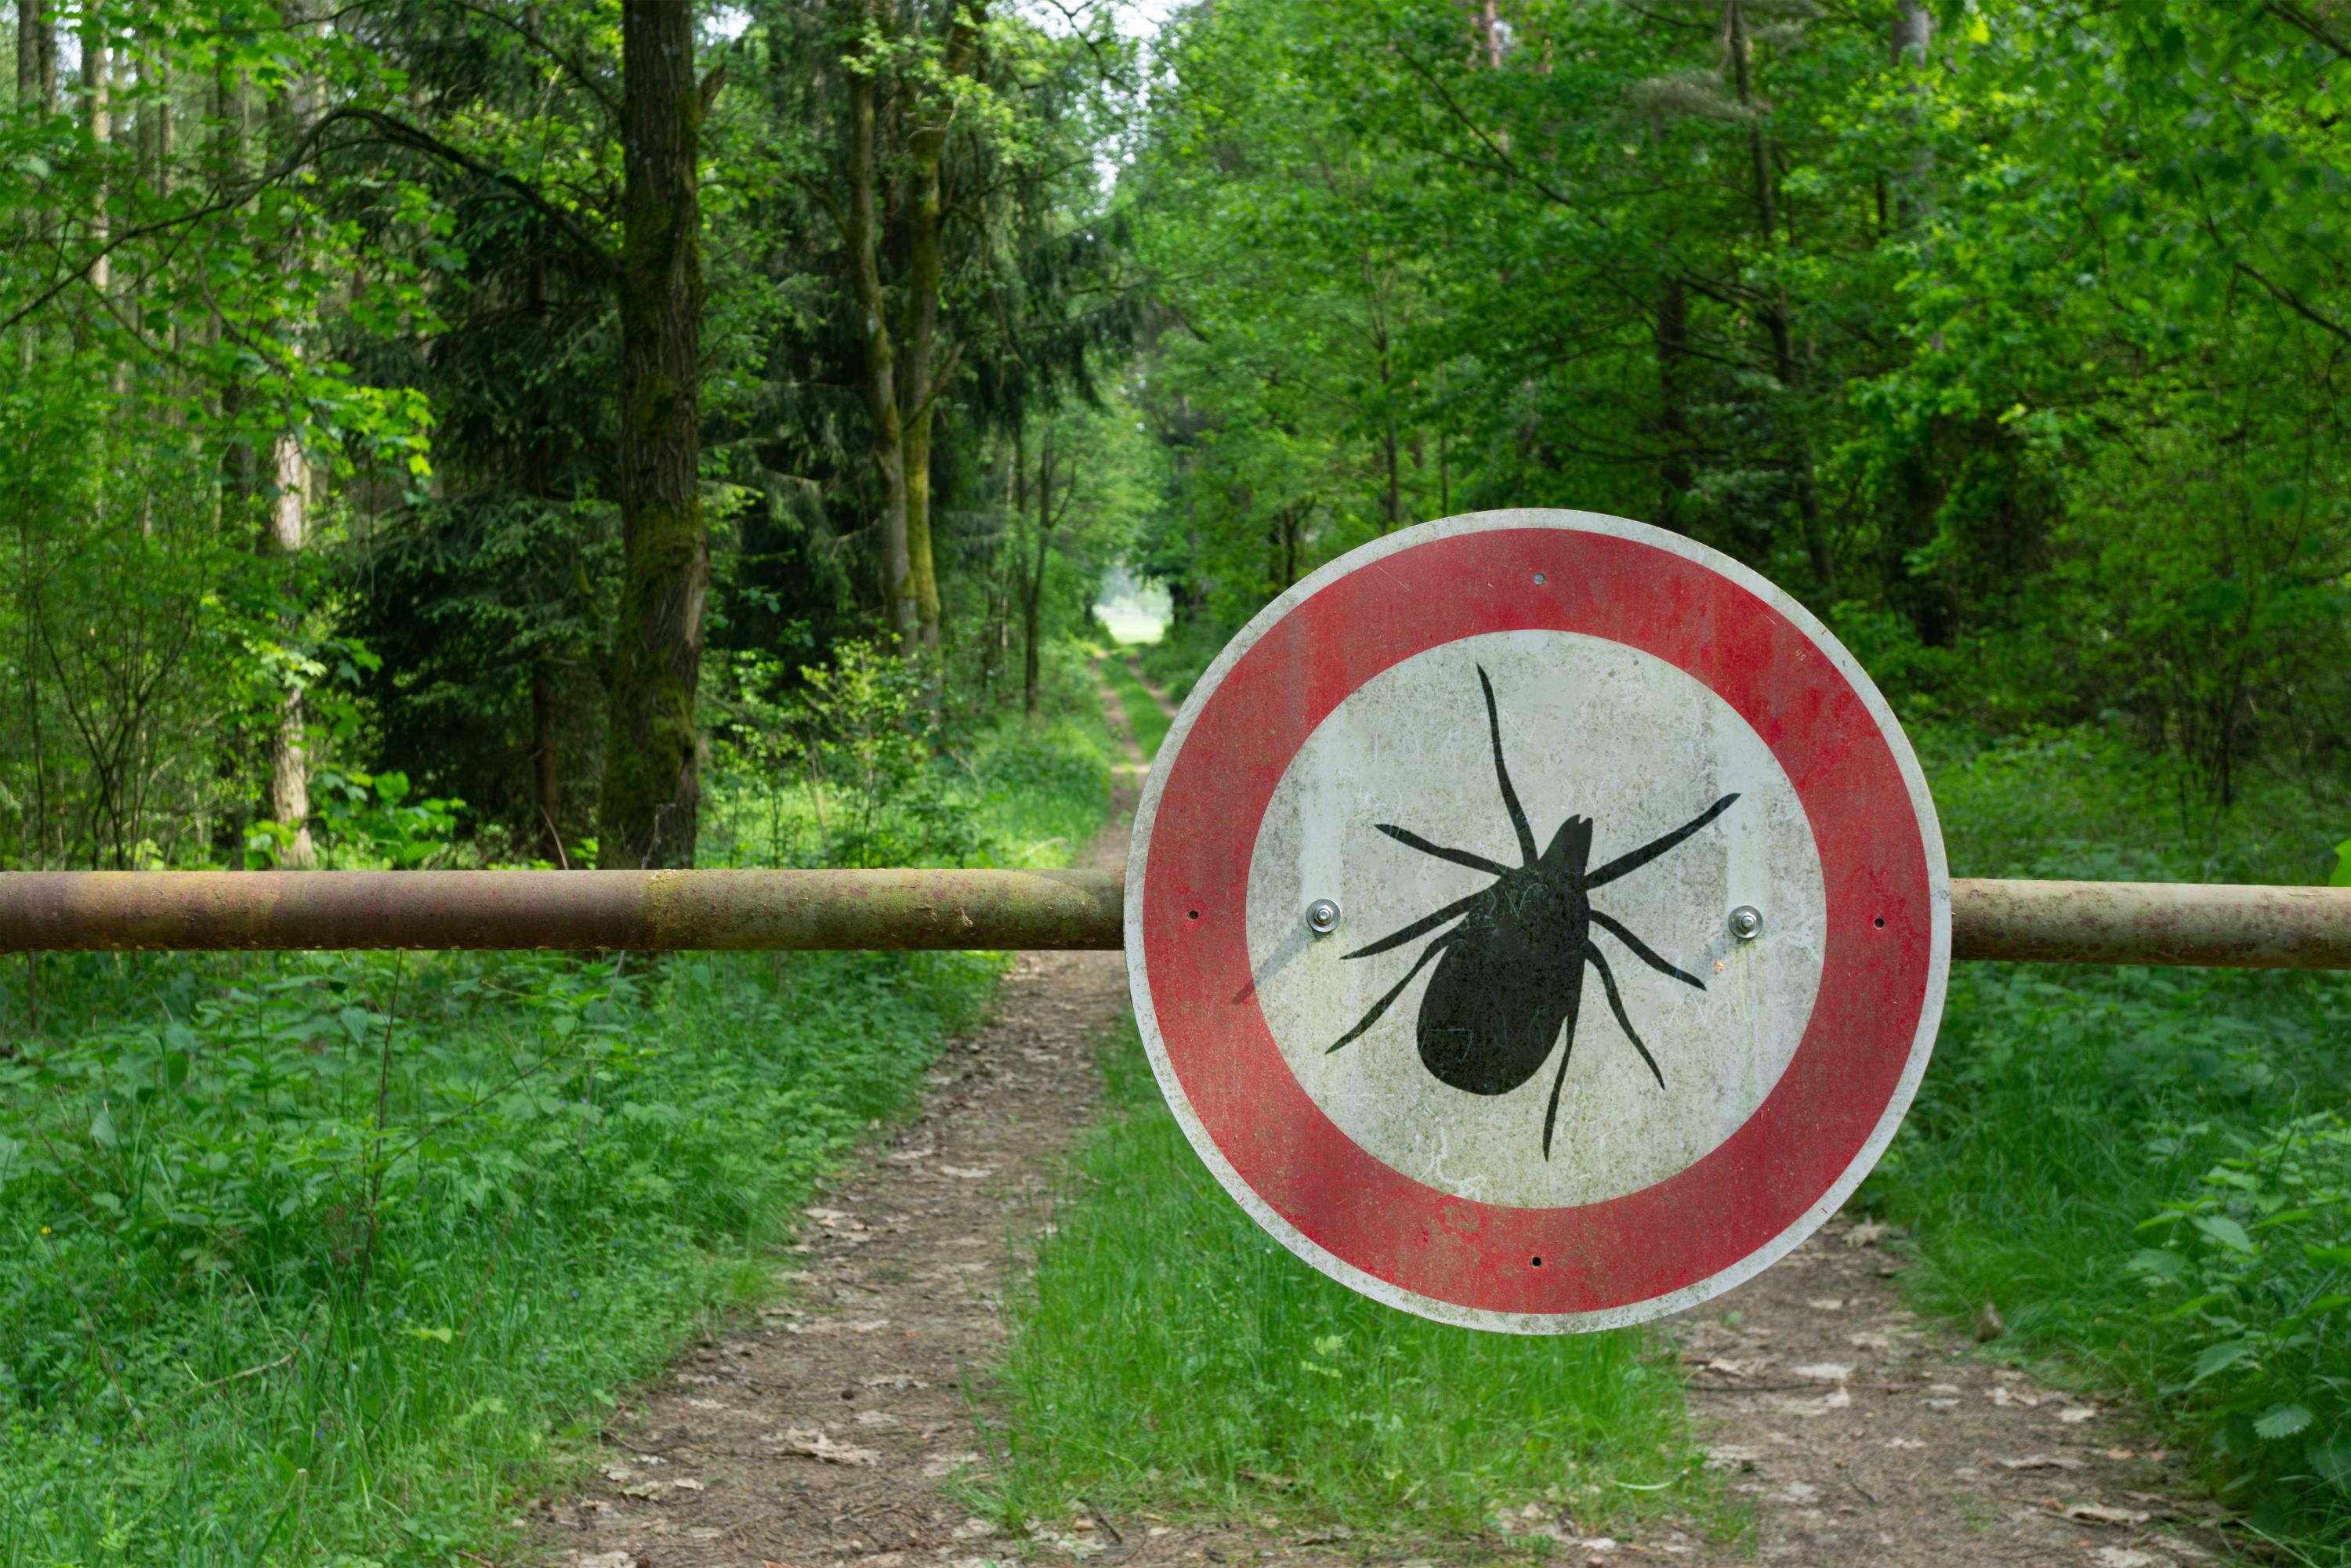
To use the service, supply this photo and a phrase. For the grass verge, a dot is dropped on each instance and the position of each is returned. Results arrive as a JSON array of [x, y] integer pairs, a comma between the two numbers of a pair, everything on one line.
[[325, 1259], [2147, 1171], [1144, 716], [1167, 1354]]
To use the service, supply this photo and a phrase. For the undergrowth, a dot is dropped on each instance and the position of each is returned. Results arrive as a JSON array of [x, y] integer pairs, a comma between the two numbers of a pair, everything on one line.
[[327, 1259], [318, 1255], [2147, 1171]]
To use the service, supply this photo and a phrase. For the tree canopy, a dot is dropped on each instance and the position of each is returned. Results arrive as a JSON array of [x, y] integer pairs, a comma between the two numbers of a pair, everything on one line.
[[436, 387]]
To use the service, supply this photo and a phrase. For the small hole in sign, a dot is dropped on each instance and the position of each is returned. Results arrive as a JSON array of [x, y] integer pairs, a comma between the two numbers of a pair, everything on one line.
[[1539, 582], [1195, 915], [1879, 922], [1534, 1263]]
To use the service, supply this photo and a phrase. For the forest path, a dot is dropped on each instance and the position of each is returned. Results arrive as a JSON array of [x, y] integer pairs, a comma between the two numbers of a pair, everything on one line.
[[1860, 1437], [1855, 1436], [831, 1428], [1133, 663]]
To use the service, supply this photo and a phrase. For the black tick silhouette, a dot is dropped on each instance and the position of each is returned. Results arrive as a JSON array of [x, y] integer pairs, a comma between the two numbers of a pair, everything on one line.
[[1510, 979]]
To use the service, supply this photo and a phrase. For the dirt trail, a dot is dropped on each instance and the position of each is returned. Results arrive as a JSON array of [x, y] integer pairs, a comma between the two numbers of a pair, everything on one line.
[[1861, 1436], [830, 1431]]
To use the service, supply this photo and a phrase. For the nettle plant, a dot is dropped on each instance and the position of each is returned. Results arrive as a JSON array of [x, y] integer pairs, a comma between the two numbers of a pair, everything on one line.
[[366, 821], [2255, 1268]]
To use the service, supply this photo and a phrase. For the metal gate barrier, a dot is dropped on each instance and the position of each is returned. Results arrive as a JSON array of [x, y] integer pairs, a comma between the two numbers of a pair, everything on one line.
[[658, 911]]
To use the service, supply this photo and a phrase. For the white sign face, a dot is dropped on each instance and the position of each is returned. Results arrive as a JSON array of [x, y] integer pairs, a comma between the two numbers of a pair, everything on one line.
[[1536, 921], [1589, 727]]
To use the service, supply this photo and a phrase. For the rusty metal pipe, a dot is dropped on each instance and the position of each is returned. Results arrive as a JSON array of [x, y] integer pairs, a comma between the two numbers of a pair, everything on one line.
[[657, 911], [2046, 921], [2225, 926]]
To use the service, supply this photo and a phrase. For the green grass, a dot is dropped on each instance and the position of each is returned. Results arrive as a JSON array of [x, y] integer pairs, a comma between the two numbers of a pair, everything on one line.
[[250, 1318], [2146, 1169], [1182, 653], [1170, 1355], [1144, 716]]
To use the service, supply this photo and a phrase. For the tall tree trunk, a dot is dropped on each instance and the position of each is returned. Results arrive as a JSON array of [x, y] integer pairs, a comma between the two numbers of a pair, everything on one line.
[[543, 758], [289, 496], [885, 435], [1032, 600], [1914, 31], [1913, 35], [1672, 341], [1786, 366], [231, 109], [651, 803], [96, 94], [930, 365], [289, 771], [37, 55], [37, 89]]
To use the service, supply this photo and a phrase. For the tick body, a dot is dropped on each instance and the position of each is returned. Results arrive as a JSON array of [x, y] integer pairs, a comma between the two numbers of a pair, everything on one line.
[[1508, 984]]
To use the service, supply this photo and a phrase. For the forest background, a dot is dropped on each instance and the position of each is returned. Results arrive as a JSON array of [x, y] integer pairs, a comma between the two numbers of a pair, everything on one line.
[[488, 432], [417, 390]]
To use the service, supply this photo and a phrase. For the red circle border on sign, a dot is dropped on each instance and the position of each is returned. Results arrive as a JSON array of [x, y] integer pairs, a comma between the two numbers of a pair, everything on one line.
[[1879, 872]]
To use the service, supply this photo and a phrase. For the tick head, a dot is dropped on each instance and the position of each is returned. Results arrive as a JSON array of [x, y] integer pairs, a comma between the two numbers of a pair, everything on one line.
[[1571, 848]]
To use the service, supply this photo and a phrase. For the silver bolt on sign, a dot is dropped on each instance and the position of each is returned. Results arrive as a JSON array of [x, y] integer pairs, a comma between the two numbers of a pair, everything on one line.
[[1747, 923], [1323, 917]]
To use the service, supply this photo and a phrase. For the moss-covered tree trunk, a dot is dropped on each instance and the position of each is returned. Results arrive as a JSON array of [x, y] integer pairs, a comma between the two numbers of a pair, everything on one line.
[[860, 231], [37, 55], [648, 811], [1787, 366], [930, 361]]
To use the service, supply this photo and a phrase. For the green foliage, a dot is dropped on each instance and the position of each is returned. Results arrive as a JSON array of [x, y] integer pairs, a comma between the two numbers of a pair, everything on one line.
[[323, 1258], [367, 821], [307, 1266], [1168, 1352], [2254, 1269], [2144, 1168], [2018, 358], [852, 768]]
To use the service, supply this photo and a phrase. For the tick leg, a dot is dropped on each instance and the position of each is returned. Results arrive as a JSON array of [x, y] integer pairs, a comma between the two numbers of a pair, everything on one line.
[[1419, 928], [1657, 847], [1406, 836], [1527, 854], [1559, 1080], [1616, 1006], [1380, 1008], [1641, 950]]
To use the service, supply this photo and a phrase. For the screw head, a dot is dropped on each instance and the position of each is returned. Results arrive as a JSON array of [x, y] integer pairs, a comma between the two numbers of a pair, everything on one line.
[[1747, 923], [1323, 917]]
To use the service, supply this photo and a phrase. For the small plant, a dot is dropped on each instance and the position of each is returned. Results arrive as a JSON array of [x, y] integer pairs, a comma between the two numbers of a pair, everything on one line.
[[2255, 1270], [366, 820]]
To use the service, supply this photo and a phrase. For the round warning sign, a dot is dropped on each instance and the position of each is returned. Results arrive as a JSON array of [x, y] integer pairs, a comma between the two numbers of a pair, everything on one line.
[[1536, 921]]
